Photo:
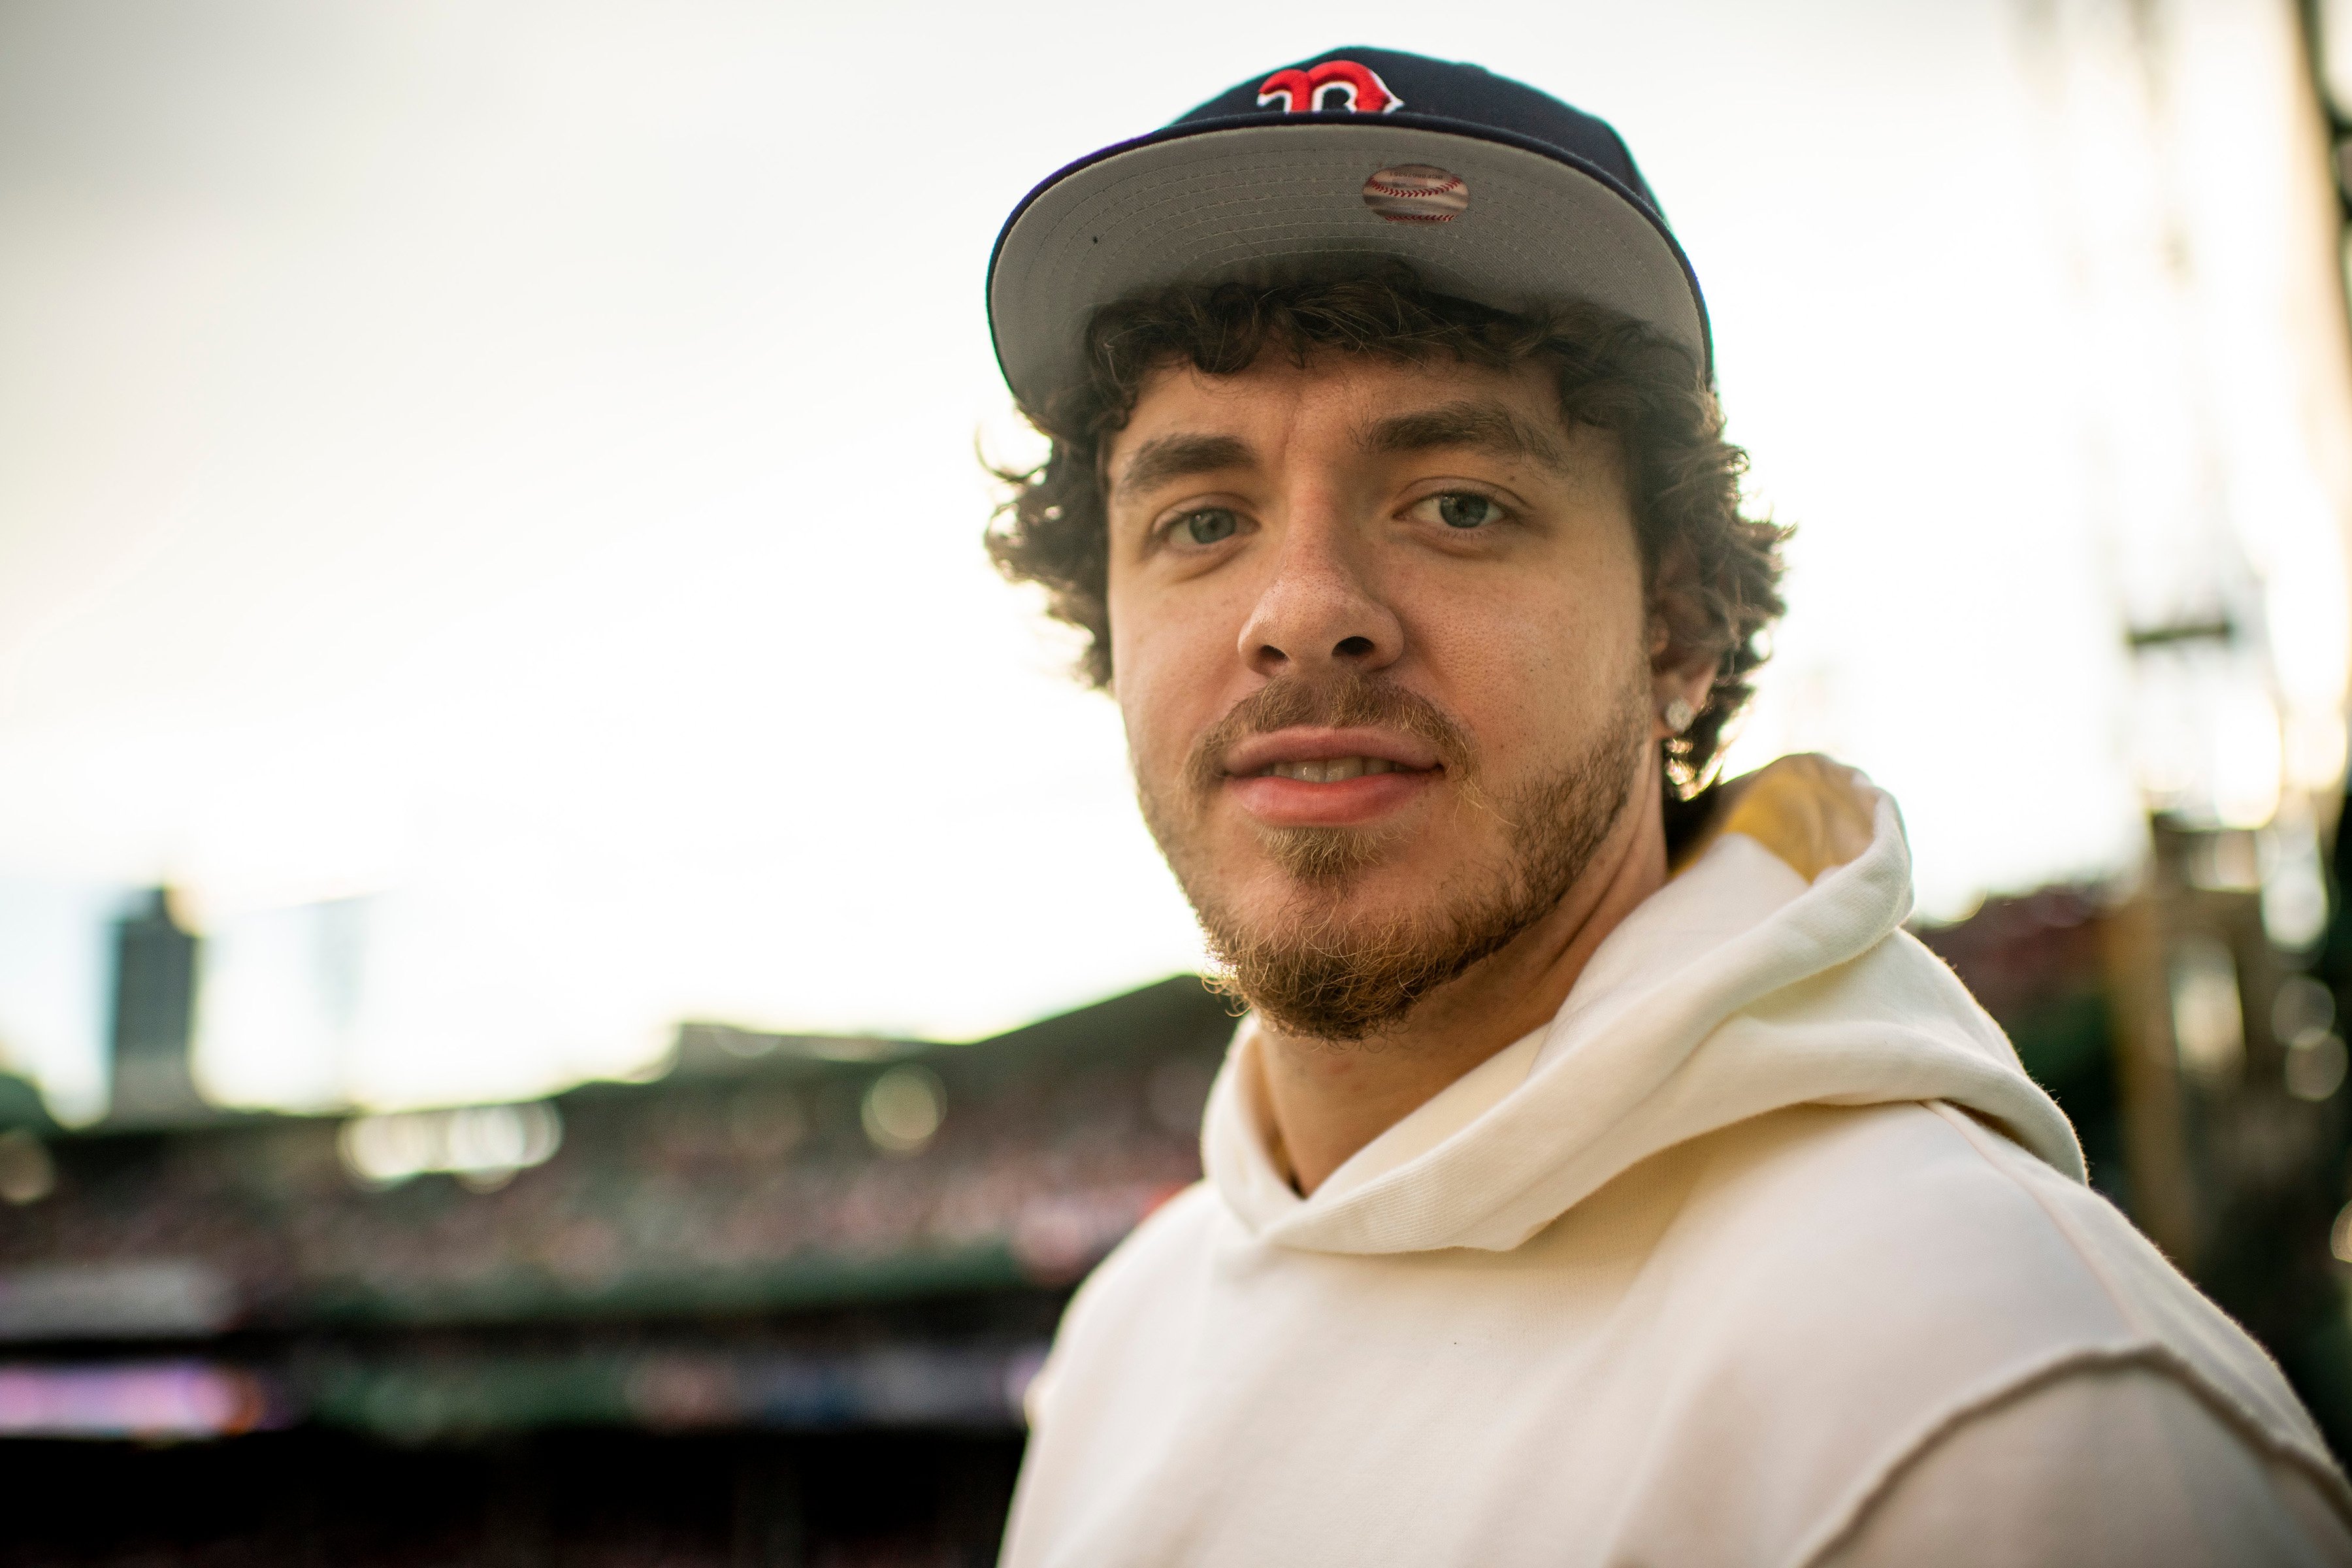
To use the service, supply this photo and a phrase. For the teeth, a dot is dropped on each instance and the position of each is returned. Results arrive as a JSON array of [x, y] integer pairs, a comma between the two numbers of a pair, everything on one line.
[[1330, 770]]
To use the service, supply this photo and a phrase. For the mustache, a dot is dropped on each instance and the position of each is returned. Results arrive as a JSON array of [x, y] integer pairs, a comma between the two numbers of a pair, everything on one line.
[[1352, 702]]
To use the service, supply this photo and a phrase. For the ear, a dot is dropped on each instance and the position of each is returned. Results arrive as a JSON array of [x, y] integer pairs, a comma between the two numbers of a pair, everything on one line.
[[1683, 658]]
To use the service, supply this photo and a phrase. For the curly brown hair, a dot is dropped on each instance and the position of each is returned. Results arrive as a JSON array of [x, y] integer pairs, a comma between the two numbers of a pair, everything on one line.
[[1613, 374]]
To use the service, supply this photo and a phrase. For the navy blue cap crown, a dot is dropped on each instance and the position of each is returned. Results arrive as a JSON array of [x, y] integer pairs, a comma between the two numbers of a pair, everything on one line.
[[1491, 191], [1440, 94]]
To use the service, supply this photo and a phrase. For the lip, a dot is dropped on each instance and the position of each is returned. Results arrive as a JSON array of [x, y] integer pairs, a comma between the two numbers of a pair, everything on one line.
[[1301, 744], [1341, 803]]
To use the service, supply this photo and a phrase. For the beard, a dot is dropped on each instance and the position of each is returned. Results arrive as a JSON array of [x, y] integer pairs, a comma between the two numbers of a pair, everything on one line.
[[1314, 970]]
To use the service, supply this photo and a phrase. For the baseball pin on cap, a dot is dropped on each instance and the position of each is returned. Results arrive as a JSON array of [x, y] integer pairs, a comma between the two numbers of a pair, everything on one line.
[[1490, 189], [1416, 192]]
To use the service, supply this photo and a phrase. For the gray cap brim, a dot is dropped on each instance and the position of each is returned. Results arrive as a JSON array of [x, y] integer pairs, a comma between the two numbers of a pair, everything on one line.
[[1265, 201]]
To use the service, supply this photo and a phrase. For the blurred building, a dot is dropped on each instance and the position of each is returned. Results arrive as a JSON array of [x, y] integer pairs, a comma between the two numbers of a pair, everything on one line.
[[154, 1014]]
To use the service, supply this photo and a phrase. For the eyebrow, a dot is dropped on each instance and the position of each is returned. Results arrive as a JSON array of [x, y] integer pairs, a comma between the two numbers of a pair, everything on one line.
[[1180, 456], [1484, 426], [1487, 427]]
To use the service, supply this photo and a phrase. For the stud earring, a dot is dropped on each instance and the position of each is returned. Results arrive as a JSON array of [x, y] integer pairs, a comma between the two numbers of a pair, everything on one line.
[[1678, 714]]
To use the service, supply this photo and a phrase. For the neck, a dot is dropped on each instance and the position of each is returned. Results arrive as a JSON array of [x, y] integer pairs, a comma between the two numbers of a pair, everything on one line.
[[1328, 1099]]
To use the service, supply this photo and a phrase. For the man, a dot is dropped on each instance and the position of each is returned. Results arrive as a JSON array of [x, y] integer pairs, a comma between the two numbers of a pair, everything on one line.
[[1601, 1176]]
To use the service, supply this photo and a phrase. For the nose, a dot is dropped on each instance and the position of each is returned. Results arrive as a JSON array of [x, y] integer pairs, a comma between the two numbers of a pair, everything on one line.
[[1319, 612]]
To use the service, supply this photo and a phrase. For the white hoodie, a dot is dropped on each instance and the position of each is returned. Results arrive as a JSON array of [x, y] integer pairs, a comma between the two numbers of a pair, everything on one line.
[[1765, 1251]]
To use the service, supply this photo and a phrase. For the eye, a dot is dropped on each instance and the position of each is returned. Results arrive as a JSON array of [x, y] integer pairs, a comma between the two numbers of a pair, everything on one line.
[[1461, 509], [1210, 525]]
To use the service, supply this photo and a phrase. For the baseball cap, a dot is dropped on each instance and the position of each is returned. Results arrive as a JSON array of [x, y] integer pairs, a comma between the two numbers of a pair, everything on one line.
[[1492, 191]]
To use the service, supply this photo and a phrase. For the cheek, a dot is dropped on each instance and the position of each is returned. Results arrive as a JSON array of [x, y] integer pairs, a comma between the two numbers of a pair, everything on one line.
[[1535, 662], [1161, 672]]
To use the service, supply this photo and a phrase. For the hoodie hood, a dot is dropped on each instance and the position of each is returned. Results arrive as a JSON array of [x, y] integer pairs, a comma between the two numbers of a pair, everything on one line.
[[1740, 988]]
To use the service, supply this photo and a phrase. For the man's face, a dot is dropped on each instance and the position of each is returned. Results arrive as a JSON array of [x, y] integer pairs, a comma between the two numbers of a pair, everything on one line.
[[1380, 640]]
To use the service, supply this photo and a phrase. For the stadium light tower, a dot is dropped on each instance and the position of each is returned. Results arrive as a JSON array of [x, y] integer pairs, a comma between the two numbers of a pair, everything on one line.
[[2195, 183]]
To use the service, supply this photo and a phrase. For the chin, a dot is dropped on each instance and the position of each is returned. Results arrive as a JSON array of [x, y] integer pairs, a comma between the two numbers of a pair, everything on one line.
[[1332, 859], [1346, 958], [1341, 875]]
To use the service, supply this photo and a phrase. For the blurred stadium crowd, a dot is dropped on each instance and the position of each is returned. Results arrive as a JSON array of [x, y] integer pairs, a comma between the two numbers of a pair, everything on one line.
[[779, 1236]]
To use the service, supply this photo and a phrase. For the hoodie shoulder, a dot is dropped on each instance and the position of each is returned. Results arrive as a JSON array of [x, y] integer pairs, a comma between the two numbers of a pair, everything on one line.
[[1859, 1281]]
